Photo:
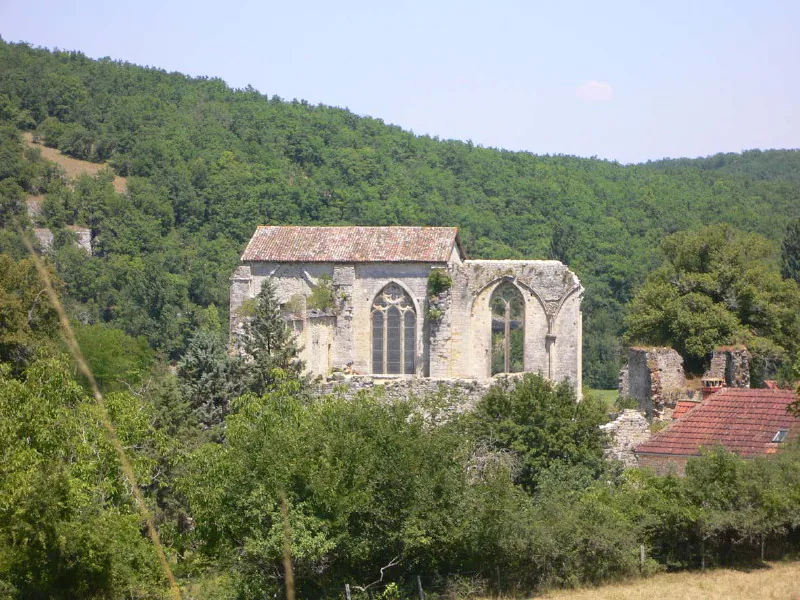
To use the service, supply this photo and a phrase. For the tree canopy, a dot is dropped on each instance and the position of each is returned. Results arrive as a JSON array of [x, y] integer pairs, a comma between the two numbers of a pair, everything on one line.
[[718, 286]]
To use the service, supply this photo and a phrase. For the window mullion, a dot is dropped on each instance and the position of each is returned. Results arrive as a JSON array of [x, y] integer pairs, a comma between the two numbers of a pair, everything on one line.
[[385, 341], [402, 343]]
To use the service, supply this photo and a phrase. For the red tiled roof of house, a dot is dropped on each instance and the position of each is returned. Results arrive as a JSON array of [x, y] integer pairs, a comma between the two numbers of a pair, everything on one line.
[[772, 384], [352, 244], [743, 420], [683, 407]]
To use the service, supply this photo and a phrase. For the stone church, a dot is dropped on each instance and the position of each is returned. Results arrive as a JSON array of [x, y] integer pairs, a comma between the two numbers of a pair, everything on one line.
[[400, 302]]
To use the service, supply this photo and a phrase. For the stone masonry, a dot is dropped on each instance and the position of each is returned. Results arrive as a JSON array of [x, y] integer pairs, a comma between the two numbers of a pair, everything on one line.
[[655, 378], [461, 394], [627, 431], [732, 365], [448, 336]]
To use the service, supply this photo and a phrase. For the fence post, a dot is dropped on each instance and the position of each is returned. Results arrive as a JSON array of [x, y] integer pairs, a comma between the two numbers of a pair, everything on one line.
[[703, 555], [347, 591], [641, 558], [499, 587], [419, 588]]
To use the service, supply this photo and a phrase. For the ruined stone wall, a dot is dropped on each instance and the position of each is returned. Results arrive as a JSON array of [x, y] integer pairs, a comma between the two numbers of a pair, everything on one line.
[[552, 316], [627, 431], [454, 345], [290, 279], [370, 279], [623, 383], [316, 342], [355, 287], [732, 365], [459, 395], [655, 378]]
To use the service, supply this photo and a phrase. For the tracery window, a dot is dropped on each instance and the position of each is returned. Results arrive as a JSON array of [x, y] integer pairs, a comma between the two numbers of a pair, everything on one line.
[[508, 329], [394, 330]]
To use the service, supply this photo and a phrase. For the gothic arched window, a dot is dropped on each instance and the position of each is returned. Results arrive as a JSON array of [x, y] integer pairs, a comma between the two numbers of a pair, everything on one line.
[[394, 330], [508, 329]]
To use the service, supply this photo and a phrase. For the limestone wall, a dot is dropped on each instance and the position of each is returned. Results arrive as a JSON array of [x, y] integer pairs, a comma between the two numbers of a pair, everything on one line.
[[44, 237], [455, 345], [732, 365], [316, 342], [370, 279], [290, 279], [627, 431], [552, 316], [663, 465], [459, 395], [655, 378], [355, 287]]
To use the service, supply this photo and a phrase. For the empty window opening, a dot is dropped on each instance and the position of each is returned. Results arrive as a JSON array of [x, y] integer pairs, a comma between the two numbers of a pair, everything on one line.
[[508, 329], [394, 327]]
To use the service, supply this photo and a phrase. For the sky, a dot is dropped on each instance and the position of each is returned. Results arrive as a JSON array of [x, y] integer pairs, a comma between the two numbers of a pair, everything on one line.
[[626, 81]]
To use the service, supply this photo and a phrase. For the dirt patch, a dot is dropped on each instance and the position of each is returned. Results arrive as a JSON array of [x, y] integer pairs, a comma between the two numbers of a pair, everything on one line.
[[73, 166]]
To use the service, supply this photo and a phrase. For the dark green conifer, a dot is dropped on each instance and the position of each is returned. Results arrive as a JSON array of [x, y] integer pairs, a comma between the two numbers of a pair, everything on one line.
[[269, 344]]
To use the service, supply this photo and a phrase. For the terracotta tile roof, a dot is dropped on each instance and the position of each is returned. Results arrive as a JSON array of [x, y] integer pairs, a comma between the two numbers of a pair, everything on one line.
[[683, 407], [352, 244], [743, 420], [772, 384]]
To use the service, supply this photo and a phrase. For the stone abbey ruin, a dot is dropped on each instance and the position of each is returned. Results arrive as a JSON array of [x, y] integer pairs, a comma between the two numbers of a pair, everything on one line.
[[405, 303]]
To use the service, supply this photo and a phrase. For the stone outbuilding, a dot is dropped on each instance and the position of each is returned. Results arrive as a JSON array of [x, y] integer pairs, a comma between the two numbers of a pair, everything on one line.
[[406, 301]]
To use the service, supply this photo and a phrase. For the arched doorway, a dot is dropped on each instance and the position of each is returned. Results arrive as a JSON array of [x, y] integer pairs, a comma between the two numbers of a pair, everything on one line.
[[394, 330], [508, 329]]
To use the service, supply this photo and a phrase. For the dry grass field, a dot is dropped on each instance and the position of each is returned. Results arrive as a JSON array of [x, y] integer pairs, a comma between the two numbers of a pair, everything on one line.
[[775, 581], [72, 166]]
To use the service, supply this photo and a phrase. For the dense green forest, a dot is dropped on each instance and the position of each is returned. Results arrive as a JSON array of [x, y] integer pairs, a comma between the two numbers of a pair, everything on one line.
[[207, 163]]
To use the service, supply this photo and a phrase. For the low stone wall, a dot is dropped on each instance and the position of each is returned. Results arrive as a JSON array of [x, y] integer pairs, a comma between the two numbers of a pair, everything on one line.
[[459, 395], [627, 431]]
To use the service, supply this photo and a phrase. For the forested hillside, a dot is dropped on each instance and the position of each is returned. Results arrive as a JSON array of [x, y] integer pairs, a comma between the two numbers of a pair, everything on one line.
[[206, 163]]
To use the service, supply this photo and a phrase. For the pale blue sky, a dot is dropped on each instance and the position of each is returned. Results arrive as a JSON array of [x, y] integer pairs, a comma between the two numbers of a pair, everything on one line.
[[629, 81]]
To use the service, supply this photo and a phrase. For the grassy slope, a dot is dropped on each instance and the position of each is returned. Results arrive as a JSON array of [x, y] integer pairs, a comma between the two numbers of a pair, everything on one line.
[[73, 167], [777, 580]]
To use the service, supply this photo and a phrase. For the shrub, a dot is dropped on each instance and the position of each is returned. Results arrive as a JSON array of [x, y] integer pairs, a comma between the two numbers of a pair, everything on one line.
[[439, 281], [321, 297], [544, 423], [626, 403]]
